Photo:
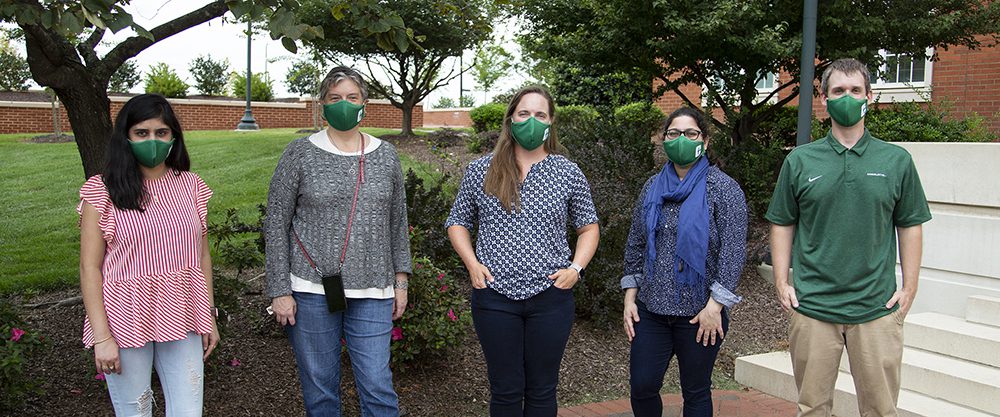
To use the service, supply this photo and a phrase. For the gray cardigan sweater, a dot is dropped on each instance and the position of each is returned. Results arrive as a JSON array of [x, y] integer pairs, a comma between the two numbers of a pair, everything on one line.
[[311, 191]]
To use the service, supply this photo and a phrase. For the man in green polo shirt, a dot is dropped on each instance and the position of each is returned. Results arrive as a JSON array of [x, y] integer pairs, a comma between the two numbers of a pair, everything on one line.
[[838, 207]]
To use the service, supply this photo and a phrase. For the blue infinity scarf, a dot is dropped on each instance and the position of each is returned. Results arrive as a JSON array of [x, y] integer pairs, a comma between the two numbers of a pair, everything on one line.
[[692, 225]]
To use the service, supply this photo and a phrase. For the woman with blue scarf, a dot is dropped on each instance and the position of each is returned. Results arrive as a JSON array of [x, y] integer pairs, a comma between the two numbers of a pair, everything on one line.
[[683, 260]]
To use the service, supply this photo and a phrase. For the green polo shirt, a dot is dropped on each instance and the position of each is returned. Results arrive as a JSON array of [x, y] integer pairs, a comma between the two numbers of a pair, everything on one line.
[[845, 205]]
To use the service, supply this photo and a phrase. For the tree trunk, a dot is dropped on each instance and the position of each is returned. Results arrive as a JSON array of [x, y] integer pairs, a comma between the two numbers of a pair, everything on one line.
[[407, 128], [89, 111]]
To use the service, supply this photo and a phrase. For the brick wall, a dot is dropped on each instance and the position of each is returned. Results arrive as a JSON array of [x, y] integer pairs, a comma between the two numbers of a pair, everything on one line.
[[455, 117], [36, 117], [970, 80]]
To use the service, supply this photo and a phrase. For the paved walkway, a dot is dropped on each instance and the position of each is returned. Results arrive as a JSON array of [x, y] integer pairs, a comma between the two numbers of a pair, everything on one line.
[[749, 403]]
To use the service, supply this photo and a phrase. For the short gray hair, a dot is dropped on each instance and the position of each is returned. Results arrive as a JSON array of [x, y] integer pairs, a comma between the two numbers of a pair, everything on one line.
[[847, 66], [338, 74]]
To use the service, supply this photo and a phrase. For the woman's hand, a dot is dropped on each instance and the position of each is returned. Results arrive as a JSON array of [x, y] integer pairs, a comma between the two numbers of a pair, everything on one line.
[[479, 274], [565, 278], [631, 313], [631, 317], [284, 310], [106, 359], [710, 323], [210, 340], [399, 305]]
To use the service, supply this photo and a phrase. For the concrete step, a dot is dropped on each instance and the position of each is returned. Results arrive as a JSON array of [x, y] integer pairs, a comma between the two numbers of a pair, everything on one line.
[[772, 374], [983, 310], [953, 336]]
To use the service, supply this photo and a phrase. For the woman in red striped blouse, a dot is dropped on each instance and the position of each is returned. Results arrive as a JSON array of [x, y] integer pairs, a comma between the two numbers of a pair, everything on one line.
[[145, 268]]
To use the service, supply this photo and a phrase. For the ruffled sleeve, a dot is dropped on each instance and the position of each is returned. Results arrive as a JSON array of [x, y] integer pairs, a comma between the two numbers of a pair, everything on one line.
[[201, 197], [95, 193]]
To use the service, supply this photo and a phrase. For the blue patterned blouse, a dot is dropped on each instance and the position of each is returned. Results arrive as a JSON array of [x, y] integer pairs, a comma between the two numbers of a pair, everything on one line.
[[727, 236], [522, 248]]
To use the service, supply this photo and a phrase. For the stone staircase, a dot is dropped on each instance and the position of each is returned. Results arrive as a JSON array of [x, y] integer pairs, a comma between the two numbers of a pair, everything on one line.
[[951, 366]]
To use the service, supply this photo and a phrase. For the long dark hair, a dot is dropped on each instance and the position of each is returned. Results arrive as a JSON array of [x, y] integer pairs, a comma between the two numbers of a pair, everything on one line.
[[122, 175], [504, 174]]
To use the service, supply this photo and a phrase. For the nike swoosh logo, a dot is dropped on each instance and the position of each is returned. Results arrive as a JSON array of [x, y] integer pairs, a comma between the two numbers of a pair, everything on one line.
[[814, 178]]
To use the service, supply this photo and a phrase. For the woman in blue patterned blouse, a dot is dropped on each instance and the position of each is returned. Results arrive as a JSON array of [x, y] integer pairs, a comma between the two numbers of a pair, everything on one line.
[[683, 259], [521, 197]]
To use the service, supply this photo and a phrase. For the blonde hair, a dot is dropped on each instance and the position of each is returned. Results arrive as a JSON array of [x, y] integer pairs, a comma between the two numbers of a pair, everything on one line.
[[504, 174]]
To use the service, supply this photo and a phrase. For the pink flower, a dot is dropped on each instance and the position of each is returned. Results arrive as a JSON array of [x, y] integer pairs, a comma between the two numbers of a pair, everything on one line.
[[443, 288], [99, 377], [440, 276], [234, 362], [15, 334], [397, 333], [451, 315]]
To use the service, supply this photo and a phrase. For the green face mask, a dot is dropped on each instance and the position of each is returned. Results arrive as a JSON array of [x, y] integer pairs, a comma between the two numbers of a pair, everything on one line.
[[343, 115], [847, 111], [530, 134], [151, 152], [683, 151]]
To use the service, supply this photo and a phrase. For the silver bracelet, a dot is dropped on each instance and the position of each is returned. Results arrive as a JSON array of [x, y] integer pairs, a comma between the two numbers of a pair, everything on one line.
[[402, 284]]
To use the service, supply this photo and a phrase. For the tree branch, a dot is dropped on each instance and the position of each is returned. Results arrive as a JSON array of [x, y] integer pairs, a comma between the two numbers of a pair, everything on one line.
[[132, 46], [86, 48]]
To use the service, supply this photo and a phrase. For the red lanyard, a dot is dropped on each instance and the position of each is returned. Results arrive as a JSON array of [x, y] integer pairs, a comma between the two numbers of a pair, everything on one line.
[[350, 219]]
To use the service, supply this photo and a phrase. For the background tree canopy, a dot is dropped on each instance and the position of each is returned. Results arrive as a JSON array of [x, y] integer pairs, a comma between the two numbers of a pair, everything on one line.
[[727, 45], [444, 28], [62, 38]]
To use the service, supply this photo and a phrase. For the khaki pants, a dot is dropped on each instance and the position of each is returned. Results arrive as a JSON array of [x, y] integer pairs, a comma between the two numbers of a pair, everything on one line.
[[874, 350]]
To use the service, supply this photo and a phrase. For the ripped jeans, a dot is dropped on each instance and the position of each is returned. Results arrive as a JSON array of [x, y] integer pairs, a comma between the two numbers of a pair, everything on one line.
[[179, 368]]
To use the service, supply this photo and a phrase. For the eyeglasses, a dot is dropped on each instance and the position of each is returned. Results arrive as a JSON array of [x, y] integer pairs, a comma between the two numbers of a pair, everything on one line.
[[672, 134]]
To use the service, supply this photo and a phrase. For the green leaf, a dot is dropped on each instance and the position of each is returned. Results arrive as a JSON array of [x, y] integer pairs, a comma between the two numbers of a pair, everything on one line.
[[290, 45], [402, 41], [119, 21], [380, 26], [141, 31], [71, 24], [93, 19], [338, 11]]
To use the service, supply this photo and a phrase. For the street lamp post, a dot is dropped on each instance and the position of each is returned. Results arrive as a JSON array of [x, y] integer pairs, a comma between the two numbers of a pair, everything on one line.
[[807, 72], [248, 122]]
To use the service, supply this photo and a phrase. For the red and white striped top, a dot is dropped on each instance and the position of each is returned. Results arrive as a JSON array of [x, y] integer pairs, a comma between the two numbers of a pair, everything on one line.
[[154, 288]]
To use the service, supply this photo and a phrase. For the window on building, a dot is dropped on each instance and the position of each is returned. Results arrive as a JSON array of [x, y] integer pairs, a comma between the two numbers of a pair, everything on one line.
[[903, 77], [766, 81]]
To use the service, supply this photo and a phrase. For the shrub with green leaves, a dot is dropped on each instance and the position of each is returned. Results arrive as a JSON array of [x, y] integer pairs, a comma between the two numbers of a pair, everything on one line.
[[487, 117], [238, 245], [437, 316], [18, 346], [162, 80], [303, 78], [641, 113], [14, 72], [444, 103], [932, 122], [569, 115], [261, 88], [210, 76], [617, 159], [125, 77], [427, 205]]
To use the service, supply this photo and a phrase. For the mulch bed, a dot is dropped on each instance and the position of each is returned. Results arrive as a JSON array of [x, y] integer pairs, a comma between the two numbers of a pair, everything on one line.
[[253, 372]]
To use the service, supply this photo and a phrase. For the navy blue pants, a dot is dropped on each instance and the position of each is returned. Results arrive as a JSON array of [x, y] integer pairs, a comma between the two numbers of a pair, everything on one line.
[[523, 342], [657, 340]]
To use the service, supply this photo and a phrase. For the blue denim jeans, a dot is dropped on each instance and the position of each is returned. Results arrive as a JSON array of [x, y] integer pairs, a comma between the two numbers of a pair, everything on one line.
[[178, 366], [523, 342], [657, 339], [366, 326]]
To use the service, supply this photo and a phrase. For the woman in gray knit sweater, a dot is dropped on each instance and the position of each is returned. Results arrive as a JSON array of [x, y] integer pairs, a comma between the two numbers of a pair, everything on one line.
[[336, 228]]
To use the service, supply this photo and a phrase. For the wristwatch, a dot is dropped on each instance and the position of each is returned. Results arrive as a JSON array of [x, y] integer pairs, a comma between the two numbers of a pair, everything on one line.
[[578, 268]]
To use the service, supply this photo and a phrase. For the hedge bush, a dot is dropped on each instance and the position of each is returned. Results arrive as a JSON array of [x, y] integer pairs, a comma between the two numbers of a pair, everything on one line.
[[18, 347], [912, 122], [643, 113], [261, 89], [617, 158], [436, 319], [568, 115], [162, 80], [487, 117], [482, 142]]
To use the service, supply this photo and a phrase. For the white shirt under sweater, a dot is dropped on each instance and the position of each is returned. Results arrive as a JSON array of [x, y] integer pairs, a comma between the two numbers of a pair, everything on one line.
[[322, 141]]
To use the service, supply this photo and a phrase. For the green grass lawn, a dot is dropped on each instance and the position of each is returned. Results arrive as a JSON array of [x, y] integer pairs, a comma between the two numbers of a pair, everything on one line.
[[40, 183]]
